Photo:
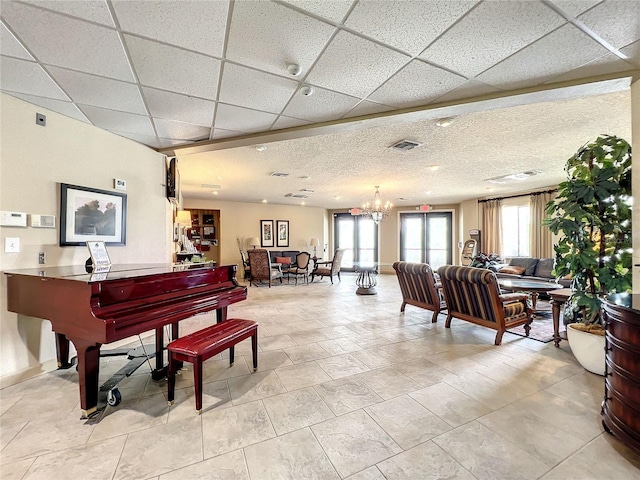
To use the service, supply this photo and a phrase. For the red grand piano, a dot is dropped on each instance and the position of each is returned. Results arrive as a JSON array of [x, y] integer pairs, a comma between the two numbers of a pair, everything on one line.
[[91, 309]]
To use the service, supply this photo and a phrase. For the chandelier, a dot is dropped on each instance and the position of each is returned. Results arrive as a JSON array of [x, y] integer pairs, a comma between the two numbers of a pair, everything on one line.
[[376, 210]]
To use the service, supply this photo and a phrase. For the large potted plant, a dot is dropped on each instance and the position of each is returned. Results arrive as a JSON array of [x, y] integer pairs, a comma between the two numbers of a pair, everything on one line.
[[592, 215]]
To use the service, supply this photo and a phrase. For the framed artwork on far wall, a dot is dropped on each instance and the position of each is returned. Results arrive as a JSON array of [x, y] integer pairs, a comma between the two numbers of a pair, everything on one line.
[[89, 215], [266, 233], [282, 230]]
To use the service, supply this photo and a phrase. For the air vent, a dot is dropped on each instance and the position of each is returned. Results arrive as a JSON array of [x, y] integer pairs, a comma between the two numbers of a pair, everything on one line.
[[405, 145], [307, 190], [210, 185], [279, 174], [514, 177], [296, 195]]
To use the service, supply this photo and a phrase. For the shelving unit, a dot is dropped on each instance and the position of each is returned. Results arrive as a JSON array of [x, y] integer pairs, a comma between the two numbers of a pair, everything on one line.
[[204, 232]]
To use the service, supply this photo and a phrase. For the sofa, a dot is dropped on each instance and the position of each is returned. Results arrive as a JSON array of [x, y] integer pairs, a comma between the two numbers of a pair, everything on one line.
[[274, 255], [530, 268]]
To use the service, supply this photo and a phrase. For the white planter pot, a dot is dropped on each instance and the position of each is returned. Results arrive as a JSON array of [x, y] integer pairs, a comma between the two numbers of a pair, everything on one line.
[[588, 349]]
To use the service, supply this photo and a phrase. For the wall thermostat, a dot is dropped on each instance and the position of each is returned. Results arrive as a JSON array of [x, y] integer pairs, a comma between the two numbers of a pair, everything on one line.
[[119, 184], [13, 219], [43, 221]]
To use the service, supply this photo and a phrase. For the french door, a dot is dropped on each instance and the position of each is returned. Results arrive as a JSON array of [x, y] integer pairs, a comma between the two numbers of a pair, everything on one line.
[[427, 238], [358, 235]]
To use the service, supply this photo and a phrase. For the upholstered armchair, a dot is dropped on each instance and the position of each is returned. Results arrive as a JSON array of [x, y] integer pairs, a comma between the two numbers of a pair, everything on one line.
[[473, 294], [329, 269], [301, 267], [419, 287], [261, 267]]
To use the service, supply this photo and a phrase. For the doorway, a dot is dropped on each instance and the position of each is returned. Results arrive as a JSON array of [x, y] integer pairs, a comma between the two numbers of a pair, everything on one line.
[[358, 235], [426, 237]]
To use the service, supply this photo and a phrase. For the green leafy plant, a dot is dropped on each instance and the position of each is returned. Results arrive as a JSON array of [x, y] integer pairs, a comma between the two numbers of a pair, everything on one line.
[[592, 214]]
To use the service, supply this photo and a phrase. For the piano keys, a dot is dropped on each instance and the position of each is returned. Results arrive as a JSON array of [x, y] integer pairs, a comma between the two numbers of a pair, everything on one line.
[[95, 309]]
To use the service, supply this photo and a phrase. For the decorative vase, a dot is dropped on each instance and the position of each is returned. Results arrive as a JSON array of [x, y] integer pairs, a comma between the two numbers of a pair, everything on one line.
[[588, 348]]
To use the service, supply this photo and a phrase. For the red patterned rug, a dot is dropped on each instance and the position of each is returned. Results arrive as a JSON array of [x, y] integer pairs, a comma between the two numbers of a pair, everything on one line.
[[542, 325]]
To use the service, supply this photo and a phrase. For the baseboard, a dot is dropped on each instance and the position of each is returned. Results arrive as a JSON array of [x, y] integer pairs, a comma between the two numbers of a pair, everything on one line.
[[27, 373]]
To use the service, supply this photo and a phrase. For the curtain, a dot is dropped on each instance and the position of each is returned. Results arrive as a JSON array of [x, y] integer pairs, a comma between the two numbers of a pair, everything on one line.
[[492, 226], [541, 242]]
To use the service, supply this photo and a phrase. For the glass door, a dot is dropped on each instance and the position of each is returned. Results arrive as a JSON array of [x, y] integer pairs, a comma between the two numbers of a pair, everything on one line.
[[426, 238], [358, 235]]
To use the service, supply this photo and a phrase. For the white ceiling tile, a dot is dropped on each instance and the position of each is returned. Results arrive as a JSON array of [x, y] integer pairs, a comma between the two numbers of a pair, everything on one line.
[[230, 117], [10, 46], [78, 45], [355, 66], [179, 107], [416, 84], [170, 142], [322, 106], [92, 10], [269, 36], [469, 89], [173, 22], [606, 64], [221, 133], [180, 130], [22, 76], [565, 49], [605, 21], [288, 122], [575, 7], [632, 52], [67, 109], [368, 108], [118, 121], [335, 10], [409, 25], [174, 69], [143, 139], [253, 89], [98, 91], [489, 34]]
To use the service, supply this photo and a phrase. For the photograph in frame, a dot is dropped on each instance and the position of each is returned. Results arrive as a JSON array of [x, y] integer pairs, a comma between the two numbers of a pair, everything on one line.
[[89, 214], [266, 234], [282, 231]]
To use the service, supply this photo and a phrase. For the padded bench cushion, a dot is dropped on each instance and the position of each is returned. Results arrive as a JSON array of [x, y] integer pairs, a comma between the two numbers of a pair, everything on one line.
[[212, 340]]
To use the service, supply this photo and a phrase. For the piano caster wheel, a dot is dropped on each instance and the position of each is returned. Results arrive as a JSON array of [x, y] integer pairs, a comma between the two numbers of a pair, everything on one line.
[[114, 397]]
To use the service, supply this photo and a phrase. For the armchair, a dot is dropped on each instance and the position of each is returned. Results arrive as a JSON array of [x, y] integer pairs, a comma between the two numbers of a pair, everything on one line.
[[301, 267], [419, 287], [261, 268], [473, 294], [329, 268]]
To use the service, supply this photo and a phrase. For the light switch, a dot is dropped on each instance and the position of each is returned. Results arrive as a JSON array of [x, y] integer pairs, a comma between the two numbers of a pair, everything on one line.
[[12, 244]]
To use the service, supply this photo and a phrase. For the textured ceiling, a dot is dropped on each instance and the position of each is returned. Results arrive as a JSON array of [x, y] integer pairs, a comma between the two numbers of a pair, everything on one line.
[[173, 73]]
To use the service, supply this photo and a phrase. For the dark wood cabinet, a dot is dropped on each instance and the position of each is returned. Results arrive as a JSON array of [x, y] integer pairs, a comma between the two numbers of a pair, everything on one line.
[[204, 231], [621, 406]]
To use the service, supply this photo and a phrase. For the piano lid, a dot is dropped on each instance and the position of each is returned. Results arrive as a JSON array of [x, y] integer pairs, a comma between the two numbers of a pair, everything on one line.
[[79, 272]]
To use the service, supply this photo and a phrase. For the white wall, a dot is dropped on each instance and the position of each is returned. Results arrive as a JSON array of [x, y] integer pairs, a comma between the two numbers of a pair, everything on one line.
[[34, 160], [238, 219]]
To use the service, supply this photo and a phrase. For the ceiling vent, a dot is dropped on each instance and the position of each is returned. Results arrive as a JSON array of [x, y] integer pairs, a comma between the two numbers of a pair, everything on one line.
[[296, 195], [210, 185], [405, 145], [307, 190], [279, 174], [514, 177]]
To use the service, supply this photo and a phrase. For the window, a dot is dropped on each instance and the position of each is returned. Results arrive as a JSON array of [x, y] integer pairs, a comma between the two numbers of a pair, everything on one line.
[[426, 237], [515, 231], [358, 235]]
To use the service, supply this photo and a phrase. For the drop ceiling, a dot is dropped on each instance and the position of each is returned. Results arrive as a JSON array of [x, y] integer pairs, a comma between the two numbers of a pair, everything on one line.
[[526, 83]]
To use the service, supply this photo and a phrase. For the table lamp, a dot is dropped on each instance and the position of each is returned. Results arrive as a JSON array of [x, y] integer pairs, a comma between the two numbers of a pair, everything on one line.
[[255, 241], [314, 243]]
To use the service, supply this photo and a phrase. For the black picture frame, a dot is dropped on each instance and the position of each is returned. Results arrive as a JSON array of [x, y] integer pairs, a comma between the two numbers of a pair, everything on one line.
[[266, 234], [282, 233], [89, 214]]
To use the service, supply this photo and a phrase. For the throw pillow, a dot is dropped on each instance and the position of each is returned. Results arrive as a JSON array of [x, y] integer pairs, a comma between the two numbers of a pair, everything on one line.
[[512, 269], [283, 260]]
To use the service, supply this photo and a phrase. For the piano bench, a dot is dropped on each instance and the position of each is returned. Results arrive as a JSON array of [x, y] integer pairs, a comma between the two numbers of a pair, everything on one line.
[[199, 346]]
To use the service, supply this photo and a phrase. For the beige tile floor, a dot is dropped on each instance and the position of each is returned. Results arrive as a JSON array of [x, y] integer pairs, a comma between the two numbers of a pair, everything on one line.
[[347, 387]]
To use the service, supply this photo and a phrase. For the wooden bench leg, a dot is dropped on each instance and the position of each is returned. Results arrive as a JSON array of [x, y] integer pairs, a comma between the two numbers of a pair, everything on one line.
[[231, 355], [254, 350], [197, 381]]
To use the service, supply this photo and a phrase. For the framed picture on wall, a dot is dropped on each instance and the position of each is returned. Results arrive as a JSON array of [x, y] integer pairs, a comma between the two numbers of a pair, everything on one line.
[[88, 214], [282, 229], [266, 233]]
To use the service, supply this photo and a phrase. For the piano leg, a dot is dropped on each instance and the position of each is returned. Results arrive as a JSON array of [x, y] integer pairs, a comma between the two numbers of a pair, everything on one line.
[[62, 351], [160, 371], [221, 314], [88, 371]]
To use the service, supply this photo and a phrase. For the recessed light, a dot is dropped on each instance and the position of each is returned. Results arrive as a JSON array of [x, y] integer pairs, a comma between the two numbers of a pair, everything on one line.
[[261, 148], [264, 200], [433, 167], [337, 197], [215, 192], [445, 122], [428, 192], [302, 203]]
